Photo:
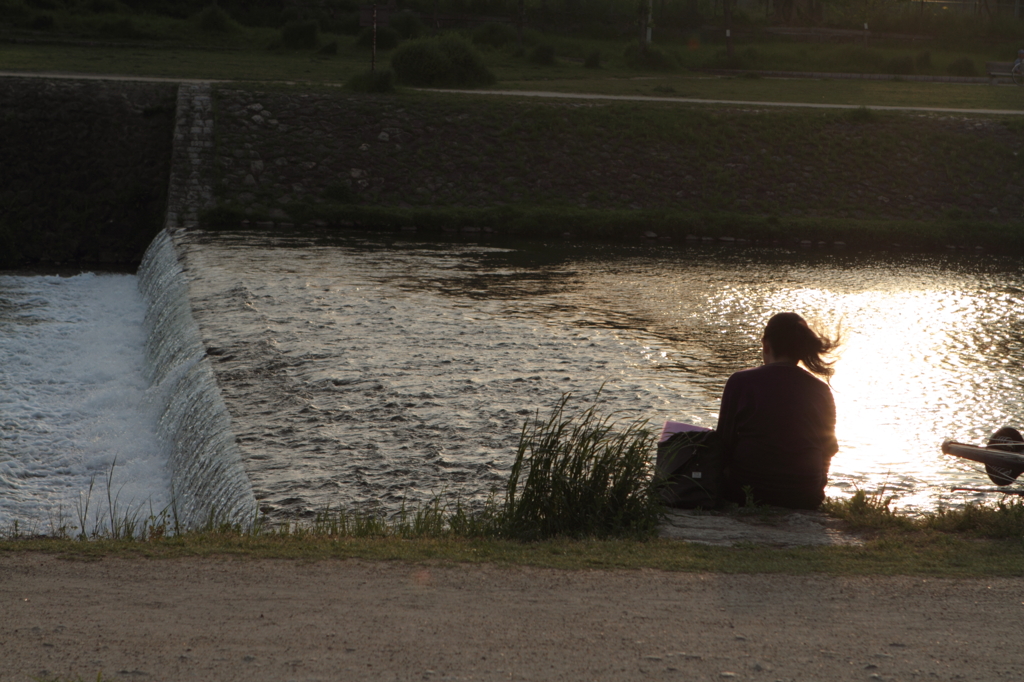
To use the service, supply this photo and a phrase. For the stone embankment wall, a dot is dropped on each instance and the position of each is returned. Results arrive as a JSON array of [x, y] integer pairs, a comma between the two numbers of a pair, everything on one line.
[[281, 155], [84, 169]]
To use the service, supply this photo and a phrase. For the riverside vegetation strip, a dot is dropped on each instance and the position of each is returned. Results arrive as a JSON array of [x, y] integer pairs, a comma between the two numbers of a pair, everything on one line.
[[571, 462], [617, 169]]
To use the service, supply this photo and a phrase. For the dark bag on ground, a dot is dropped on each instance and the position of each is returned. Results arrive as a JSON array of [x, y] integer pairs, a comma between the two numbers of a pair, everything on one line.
[[689, 469]]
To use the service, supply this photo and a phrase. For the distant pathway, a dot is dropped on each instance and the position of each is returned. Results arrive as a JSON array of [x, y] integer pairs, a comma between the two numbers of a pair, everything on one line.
[[560, 95], [104, 77], [733, 102]]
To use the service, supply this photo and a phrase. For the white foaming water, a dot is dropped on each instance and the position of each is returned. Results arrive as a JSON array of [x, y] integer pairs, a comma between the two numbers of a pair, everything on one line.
[[75, 409], [209, 482]]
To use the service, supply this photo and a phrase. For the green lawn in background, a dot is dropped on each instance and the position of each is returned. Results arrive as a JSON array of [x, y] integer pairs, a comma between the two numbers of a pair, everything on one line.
[[514, 73], [798, 90]]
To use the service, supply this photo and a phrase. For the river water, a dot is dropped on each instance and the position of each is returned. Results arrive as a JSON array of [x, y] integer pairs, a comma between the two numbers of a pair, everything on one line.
[[377, 371], [368, 370]]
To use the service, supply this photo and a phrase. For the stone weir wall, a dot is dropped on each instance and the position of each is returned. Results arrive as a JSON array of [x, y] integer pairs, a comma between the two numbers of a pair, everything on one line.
[[84, 168]]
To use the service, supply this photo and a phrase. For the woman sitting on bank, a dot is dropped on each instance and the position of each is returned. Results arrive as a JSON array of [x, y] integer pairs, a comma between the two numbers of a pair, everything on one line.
[[777, 422]]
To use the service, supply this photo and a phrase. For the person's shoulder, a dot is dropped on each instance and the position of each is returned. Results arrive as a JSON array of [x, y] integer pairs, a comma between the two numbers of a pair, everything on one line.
[[813, 380], [794, 373], [746, 375], [746, 372]]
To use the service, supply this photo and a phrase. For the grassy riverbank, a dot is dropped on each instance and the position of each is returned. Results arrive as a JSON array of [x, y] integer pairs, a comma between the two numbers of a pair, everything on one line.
[[978, 540], [580, 496], [618, 170], [906, 552]]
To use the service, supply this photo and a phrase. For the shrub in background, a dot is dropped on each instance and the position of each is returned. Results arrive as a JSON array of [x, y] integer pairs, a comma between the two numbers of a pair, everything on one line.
[[962, 67], [448, 61], [300, 35], [494, 34], [330, 48], [593, 60], [421, 62], [543, 55], [387, 38], [924, 61], [408, 25], [213, 19], [42, 22], [381, 80]]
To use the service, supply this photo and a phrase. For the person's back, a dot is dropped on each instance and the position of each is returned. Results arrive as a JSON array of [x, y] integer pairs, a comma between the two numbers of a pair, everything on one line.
[[777, 422], [778, 428]]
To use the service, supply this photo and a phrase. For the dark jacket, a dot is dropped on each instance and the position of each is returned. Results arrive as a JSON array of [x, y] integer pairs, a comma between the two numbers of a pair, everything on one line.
[[777, 424]]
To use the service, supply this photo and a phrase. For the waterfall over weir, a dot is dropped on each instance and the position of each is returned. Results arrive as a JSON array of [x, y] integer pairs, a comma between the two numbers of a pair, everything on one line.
[[207, 475]]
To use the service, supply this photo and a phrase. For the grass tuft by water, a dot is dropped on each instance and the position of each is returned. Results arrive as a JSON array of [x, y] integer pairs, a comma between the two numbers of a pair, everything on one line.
[[1000, 520], [581, 476]]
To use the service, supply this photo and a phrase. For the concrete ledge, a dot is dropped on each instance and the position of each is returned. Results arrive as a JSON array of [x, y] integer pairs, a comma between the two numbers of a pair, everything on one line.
[[776, 528]]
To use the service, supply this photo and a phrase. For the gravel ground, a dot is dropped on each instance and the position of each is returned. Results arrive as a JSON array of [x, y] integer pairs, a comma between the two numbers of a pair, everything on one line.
[[216, 619]]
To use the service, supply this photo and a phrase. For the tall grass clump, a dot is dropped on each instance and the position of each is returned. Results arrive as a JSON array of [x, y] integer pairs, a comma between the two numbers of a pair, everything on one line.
[[1000, 520], [581, 476], [865, 511], [1003, 519], [448, 61]]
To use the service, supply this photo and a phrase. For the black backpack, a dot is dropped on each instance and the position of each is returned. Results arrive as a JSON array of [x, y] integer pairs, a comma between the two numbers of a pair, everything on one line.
[[688, 470]]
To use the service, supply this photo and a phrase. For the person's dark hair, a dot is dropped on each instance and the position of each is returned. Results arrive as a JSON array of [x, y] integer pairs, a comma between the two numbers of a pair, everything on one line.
[[790, 336]]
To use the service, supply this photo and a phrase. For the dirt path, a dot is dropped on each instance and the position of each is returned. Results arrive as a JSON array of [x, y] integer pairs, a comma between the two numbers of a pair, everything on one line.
[[208, 619]]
